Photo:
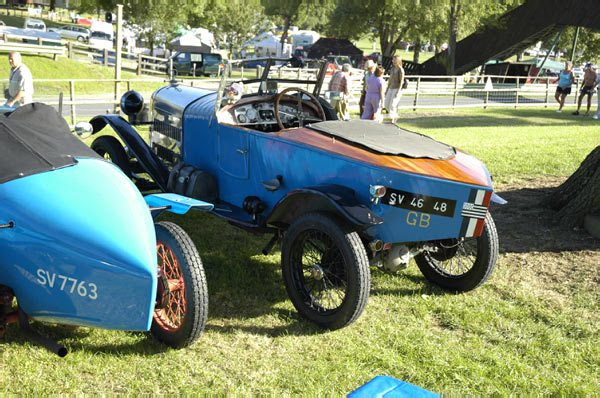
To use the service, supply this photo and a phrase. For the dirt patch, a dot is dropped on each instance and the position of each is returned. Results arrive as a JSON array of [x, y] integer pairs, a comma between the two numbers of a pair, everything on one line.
[[531, 239]]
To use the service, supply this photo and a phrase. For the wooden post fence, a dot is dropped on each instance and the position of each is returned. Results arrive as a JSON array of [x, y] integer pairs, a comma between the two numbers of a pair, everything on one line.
[[72, 87]]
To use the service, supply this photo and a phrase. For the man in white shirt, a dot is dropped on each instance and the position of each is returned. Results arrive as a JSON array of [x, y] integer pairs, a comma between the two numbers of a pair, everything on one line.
[[20, 90]]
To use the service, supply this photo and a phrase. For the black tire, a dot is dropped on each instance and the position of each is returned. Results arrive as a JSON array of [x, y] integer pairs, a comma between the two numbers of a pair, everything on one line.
[[80, 39], [462, 264], [111, 149], [325, 270], [330, 113], [175, 324]]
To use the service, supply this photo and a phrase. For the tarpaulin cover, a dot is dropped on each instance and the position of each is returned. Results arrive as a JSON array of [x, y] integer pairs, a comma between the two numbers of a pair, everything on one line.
[[35, 138], [386, 138]]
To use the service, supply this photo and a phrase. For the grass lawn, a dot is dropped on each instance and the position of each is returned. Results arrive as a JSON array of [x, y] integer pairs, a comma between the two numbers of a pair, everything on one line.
[[532, 328], [366, 45]]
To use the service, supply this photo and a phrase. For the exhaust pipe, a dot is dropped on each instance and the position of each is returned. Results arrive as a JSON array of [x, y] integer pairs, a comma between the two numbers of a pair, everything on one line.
[[34, 336]]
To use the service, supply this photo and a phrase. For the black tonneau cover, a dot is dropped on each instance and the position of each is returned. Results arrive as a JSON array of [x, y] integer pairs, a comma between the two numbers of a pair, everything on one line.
[[385, 138], [35, 138]]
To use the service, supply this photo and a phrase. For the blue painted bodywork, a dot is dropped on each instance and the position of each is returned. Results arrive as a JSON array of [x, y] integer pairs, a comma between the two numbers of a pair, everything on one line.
[[83, 248], [390, 387], [242, 159]]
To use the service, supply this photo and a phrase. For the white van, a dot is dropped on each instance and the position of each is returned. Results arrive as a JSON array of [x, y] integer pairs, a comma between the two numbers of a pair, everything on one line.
[[101, 35], [35, 24]]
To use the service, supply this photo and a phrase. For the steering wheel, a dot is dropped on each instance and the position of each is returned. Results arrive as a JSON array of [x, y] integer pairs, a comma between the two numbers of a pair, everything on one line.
[[300, 114]]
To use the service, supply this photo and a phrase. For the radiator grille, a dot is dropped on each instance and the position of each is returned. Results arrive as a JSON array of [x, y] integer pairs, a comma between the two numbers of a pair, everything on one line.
[[167, 129]]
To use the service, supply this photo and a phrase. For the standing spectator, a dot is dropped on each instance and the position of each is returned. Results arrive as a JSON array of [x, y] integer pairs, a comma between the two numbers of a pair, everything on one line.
[[370, 66], [589, 86], [565, 80], [339, 88], [597, 114], [393, 91], [20, 89], [374, 95]]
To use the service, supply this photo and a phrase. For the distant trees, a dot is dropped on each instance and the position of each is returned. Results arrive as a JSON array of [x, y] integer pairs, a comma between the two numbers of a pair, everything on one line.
[[233, 22], [393, 22]]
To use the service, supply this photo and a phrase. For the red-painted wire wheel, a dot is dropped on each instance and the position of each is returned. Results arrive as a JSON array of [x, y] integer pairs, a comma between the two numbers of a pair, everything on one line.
[[182, 299], [171, 315]]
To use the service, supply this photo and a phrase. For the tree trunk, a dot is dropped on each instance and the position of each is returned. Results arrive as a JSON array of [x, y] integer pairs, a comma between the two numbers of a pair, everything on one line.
[[286, 26], [454, 7], [417, 51], [580, 194]]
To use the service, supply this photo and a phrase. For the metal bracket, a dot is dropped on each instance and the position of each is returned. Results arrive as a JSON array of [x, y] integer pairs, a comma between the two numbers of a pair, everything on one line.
[[10, 224]]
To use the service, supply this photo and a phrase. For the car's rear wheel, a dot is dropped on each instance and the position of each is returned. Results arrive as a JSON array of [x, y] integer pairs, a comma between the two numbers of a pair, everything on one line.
[[182, 298], [111, 149], [462, 264], [325, 270]]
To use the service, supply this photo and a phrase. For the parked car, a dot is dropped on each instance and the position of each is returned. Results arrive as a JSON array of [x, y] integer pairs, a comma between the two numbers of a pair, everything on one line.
[[101, 35], [336, 62], [72, 32], [35, 24], [79, 244], [340, 195], [197, 63]]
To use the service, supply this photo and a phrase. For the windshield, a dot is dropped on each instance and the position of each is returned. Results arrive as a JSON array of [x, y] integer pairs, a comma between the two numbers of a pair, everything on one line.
[[100, 35], [212, 58]]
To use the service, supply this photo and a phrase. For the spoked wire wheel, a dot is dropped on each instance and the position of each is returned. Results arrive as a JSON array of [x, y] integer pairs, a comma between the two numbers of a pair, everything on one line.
[[182, 298], [325, 270], [462, 264], [172, 314], [320, 272]]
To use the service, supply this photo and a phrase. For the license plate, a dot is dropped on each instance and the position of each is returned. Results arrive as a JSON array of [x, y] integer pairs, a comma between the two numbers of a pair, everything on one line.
[[418, 202]]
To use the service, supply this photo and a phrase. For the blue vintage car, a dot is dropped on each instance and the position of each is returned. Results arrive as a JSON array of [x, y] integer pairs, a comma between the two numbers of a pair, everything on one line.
[[78, 241], [341, 195]]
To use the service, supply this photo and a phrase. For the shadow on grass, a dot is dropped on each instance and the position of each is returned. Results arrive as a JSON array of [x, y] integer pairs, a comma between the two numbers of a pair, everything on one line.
[[524, 225], [77, 339], [498, 118]]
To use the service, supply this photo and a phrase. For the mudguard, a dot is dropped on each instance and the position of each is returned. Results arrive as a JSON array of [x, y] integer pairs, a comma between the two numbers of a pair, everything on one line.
[[149, 161], [77, 252], [327, 197], [174, 203]]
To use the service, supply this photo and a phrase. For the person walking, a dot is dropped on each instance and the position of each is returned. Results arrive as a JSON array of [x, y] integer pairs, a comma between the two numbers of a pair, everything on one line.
[[339, 89], [370, 66], [393, 92], [589, 86], [565, 80], [20, 89], [374, 96]]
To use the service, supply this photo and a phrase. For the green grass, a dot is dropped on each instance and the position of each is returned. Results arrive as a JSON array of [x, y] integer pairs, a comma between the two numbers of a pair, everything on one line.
[[44, 67], [366, 45], [530, 329], [515, 144]]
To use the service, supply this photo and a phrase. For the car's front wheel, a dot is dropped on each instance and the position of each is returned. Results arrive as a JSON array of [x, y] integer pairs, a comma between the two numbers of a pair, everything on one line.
[[182, 300], [325, 270], [462, 264], [80, 39]]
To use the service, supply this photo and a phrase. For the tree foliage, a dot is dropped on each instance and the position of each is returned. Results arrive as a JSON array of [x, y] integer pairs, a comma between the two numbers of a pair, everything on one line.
[[233, 22], [397, 22], [587, 47], [287, 11]]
